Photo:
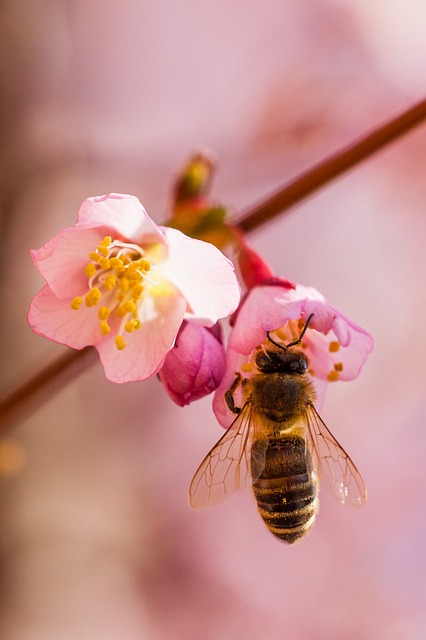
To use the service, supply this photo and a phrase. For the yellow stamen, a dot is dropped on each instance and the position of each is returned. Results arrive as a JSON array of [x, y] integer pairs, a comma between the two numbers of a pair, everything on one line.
[[137, 291], [311, 372], [117, 263], [104, 313], [110, 282], [338, 366], [92, 298], [333, 346], [116, 276], [124, 283], [130, 326], [90, 269], [103, 251], [105, 328], [120, 343], [104, 263], [128, 306], [145, 265], [247, 367], [333, 376], [124, 308], [76, 303]]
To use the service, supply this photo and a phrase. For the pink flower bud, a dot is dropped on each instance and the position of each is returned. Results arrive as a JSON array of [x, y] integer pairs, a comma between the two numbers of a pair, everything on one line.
[[196, 364]]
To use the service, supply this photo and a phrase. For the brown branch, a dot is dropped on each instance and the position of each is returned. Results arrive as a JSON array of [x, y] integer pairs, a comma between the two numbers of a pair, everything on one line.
[[66, 367], [328, 169], [54, 377]]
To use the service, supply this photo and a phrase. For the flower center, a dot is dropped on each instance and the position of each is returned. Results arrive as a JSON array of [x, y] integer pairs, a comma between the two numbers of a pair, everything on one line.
[[117, 274]]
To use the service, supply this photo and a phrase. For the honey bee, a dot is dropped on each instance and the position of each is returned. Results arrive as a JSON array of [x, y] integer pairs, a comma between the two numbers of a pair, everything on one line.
[[279, 445]]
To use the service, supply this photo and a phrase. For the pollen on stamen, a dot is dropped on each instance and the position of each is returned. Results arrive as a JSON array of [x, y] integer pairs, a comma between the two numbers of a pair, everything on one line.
[[120, 343], [338, 366], [104, 263], [131, 325], [137, 290], [117, 263], [333, 376], [124, 308], [105, 328], [110, 282], [104, 313], [102, 250], [333, 346], [92, 297], [145, 264], [124, 283], [76, 303], [90, 269], [311, 372], [247, 367]]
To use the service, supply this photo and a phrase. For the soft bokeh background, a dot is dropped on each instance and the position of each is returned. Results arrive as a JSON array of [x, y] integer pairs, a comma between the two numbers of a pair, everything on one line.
[[96, 538]]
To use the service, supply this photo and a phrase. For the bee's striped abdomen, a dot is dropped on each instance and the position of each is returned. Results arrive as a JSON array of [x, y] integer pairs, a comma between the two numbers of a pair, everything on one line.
[[286, 490]]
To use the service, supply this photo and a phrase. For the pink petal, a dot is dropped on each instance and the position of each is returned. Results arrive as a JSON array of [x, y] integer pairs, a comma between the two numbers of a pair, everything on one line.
[[122, 213], [147, 347], [195, 366], [203, 275], [61, 261], [349, 360], [224, 415], [254, 270], [54, 319], [264, 309]]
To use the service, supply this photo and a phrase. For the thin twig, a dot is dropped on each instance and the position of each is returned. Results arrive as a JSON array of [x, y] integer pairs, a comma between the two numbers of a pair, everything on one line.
[[316, 177], [61, 370], [57, 375]]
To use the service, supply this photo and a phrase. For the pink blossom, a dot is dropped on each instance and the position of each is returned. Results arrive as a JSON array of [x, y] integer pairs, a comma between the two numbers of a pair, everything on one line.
[[253, 268], [117, 281], [336, 347], [196, 364]]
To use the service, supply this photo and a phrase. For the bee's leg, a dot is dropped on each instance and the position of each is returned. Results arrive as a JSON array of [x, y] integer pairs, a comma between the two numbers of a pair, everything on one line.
[[229, 395]]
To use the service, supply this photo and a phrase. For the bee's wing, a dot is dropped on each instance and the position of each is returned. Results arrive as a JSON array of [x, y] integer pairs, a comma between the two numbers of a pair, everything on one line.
[[347, 484], [226, 468]]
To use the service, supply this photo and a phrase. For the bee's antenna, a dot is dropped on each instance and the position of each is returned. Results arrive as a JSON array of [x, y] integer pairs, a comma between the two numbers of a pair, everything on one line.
[[291, 344], [277, 344], [299, 340]]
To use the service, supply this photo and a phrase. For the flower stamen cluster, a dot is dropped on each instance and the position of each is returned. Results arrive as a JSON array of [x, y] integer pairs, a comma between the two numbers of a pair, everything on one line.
[[117, 274]]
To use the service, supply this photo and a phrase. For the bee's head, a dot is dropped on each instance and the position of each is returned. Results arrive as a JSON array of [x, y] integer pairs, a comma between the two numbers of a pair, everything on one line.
[[282, 358], [282, 361]]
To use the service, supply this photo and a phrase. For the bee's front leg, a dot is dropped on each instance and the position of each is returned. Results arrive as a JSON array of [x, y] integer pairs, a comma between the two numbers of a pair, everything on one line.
[[229, 395]]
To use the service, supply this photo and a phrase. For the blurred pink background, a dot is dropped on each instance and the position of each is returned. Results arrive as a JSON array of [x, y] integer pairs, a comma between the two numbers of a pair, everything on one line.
[[96, 538]]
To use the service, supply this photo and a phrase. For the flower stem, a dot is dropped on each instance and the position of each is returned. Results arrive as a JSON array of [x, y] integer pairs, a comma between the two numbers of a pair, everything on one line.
[[321, 173], [55, 376], [61, 370]]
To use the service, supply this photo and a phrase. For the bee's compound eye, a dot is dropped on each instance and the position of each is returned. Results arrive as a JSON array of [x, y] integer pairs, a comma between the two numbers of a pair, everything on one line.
[[299, 364], [304, 364], [263, 361]]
